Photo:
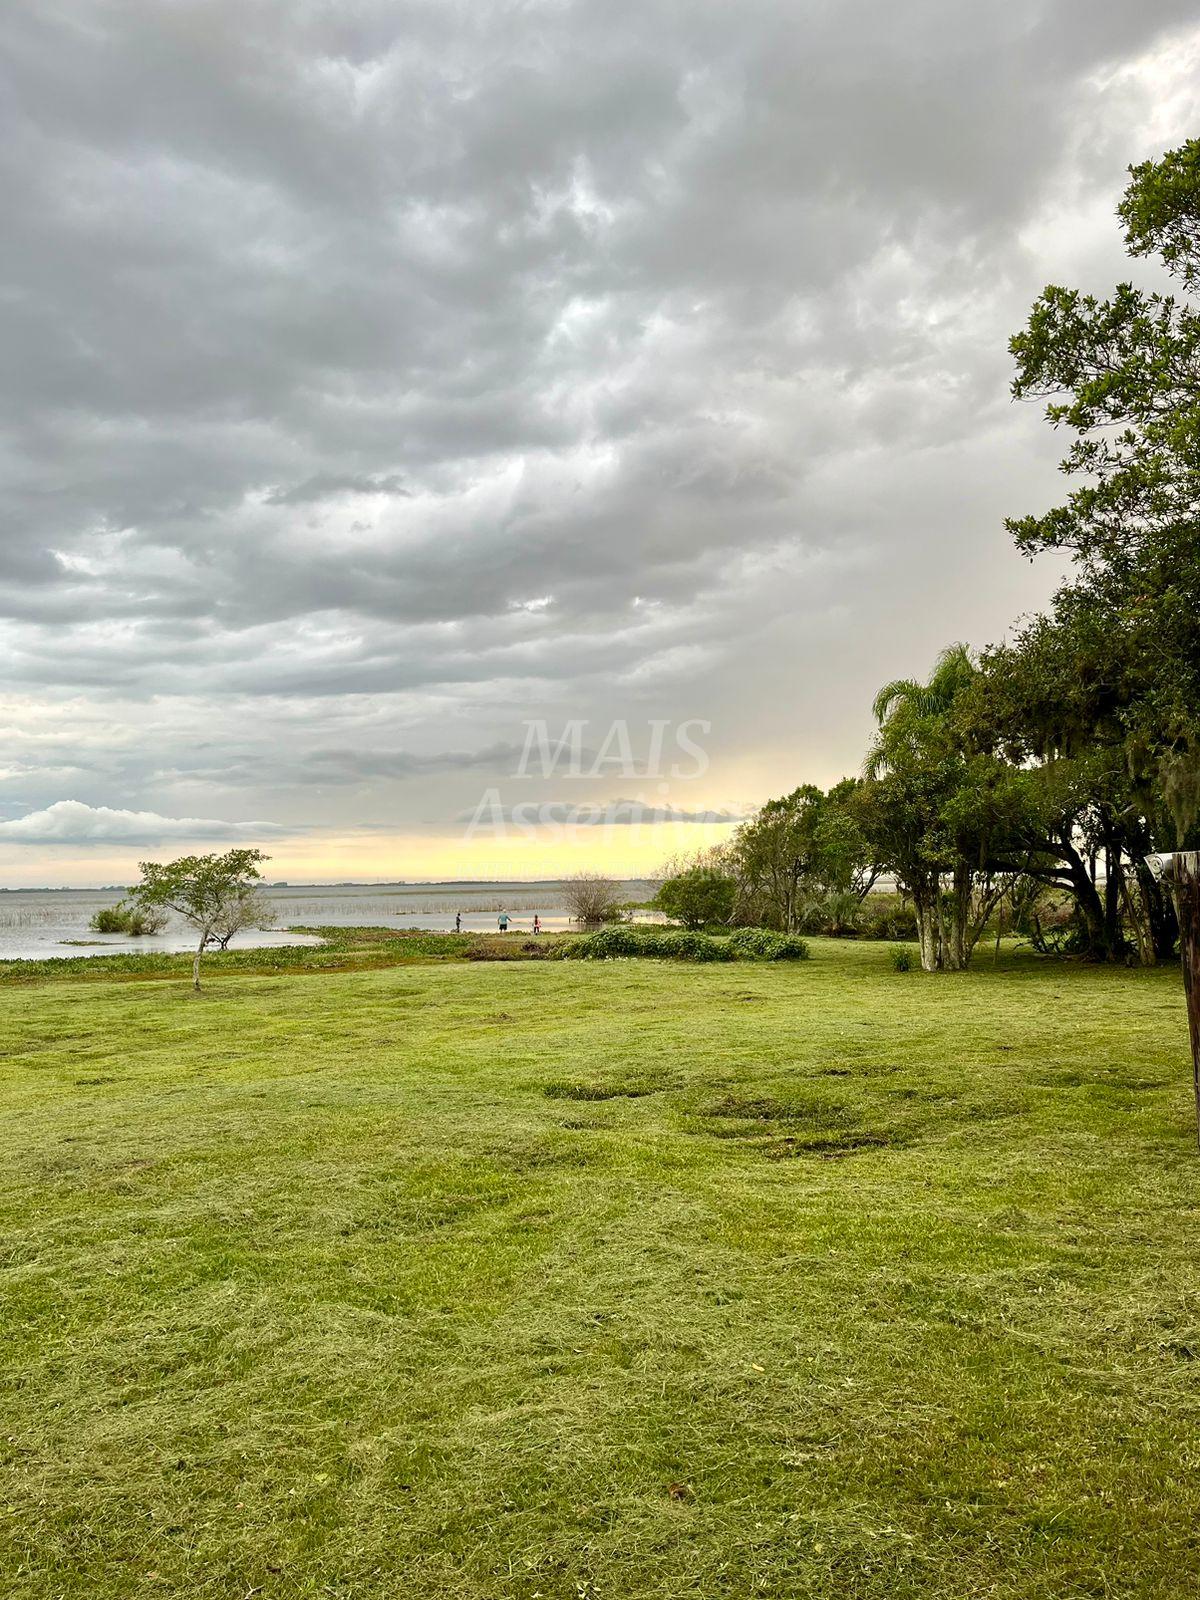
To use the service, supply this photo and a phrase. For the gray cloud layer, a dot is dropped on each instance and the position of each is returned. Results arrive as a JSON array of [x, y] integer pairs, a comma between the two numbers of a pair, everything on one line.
[[380, 374]]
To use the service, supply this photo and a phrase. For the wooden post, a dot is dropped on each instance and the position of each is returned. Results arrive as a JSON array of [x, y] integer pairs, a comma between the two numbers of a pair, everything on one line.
[[1182, 872]]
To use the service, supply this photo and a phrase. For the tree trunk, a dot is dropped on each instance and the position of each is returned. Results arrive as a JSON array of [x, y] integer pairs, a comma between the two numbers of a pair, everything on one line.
[[1114, 874], [1185, 883], [923, 905], [1091, 910], [196, 963], [940, 924], [1139, 926], [959, 952], [785, 899]]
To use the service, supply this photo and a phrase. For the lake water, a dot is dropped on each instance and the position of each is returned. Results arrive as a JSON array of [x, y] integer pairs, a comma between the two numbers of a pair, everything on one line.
[[37, 923]]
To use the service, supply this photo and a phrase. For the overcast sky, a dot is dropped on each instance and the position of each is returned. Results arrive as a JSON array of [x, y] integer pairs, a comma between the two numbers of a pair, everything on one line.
[[380, 377]]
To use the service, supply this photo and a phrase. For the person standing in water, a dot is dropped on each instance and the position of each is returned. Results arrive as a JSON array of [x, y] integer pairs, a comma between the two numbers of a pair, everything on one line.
[[503, 921], [458, 922]]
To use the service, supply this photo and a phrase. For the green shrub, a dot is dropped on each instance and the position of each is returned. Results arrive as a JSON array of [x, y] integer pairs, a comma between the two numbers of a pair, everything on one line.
[[110, 919], [124, 918], [664, 944], [837, 914], [679, 944], [887, 916], [760, 944], [901, 958], [842, 915]]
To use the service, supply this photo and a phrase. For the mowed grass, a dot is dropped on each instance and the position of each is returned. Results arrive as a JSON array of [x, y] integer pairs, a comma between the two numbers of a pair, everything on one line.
[[625, 1279]]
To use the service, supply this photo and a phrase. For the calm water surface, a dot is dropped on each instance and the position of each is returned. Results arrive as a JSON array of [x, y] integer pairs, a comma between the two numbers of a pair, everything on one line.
[[38, 923]]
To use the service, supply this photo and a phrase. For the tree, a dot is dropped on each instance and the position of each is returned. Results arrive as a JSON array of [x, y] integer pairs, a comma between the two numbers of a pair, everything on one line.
[[799, 848], [775, 853], [247, 908], [904, 706], [1044, 705], [591, 897], [914, 770], [847, 864], [935, 811], [203, 890], [697, 896], [1123, 375], [900, 810]]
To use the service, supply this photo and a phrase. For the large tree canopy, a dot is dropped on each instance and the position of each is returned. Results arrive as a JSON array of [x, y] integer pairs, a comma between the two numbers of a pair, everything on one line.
[[1123, 375]]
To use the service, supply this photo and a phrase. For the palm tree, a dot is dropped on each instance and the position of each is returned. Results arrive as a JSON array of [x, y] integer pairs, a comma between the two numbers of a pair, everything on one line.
[[915, 757], [905, 709], [952, 671]]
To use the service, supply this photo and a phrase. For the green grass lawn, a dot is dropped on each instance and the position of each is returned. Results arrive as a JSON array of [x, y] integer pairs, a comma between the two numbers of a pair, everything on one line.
[[601, 1280]]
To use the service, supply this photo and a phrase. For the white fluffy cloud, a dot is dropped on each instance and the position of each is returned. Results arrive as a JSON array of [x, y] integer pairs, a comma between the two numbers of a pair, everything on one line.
[[72, 822]]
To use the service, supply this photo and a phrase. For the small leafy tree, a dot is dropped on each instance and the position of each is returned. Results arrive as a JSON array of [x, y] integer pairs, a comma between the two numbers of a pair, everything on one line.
[[798, 850], [697, 896], [203, 890], [776, 853]]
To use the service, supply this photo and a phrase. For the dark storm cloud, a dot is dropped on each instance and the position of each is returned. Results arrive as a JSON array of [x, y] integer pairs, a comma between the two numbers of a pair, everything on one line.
[[488, 358]]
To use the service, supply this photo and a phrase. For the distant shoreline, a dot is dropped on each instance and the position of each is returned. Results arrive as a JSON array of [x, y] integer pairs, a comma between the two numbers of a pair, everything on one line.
[[342, 883]]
